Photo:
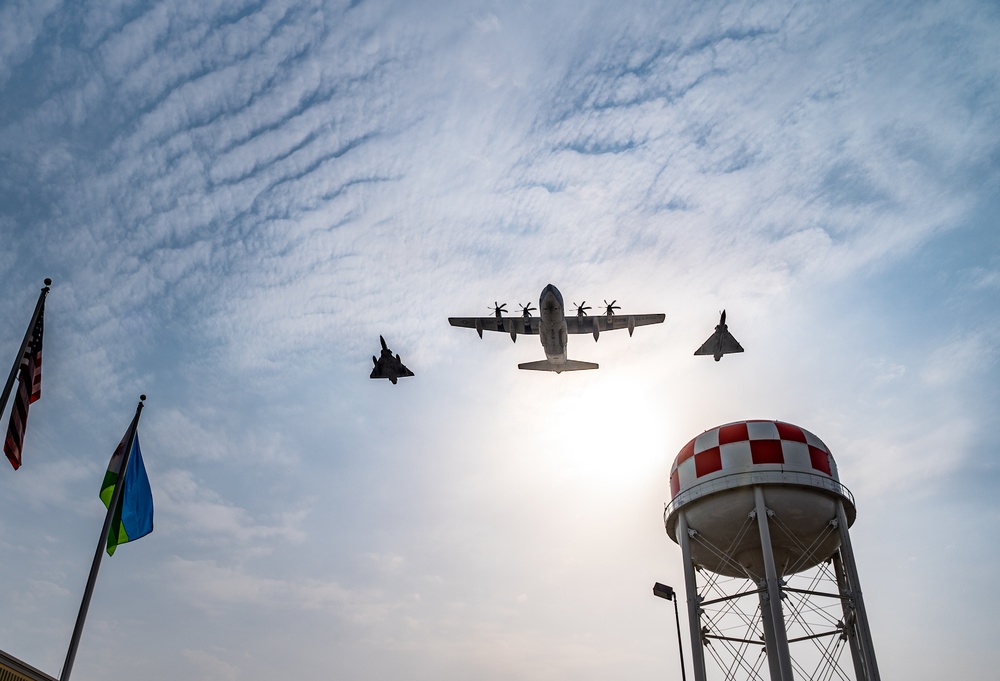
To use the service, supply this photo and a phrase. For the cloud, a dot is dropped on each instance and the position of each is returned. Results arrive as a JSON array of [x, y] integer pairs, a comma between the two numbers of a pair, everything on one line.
[[886, 372], [21, 24], [203, 517], [212, 667], [208, 435], [960, 358], [214, 585], [51, 484]]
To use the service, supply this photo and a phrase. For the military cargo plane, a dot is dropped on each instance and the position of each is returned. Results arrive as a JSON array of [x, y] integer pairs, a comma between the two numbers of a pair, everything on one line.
[[553, 325]]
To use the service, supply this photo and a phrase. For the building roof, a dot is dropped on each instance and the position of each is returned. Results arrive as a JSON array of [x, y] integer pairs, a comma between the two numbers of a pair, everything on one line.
[[12, 669]]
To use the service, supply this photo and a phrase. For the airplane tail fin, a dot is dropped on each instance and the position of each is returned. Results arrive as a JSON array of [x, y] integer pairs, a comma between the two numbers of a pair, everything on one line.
[[569, 365]]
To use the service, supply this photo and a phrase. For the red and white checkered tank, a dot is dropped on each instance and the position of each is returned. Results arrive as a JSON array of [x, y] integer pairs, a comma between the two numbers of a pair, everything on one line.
[[746, 446], [712, 487]]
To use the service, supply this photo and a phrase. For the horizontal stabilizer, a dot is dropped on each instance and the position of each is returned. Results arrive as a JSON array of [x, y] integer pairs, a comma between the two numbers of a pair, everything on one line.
[[568, 365]]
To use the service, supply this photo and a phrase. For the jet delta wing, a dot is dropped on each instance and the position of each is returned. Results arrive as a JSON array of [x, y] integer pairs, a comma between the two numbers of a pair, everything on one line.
[[553, 326], [721, 342]]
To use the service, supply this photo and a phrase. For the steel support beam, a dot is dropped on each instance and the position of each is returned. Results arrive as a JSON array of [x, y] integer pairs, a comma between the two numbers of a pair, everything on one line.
[[693, 599], [851, 568], [773, 589]]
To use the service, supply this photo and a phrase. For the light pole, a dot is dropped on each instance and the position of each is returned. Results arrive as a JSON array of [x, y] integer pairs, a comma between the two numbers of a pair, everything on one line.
[[664, 591]]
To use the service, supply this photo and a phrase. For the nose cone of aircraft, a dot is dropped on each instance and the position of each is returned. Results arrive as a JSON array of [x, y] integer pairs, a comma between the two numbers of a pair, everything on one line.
[[550, 290], [550, 297]]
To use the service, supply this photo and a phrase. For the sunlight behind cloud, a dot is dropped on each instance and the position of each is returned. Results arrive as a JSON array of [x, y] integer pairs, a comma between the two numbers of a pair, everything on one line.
[[607, 433]]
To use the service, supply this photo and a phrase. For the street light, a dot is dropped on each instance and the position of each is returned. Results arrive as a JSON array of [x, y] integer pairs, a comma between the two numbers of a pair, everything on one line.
[[664, 591]]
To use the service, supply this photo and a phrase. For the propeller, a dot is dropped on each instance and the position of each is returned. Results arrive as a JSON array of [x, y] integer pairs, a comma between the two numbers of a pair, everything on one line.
[[526, 310], [498, 309], [611, 307], [581, 309]]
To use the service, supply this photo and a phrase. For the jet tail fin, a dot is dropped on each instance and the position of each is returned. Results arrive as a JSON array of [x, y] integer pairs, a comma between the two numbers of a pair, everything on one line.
[[569, 365]]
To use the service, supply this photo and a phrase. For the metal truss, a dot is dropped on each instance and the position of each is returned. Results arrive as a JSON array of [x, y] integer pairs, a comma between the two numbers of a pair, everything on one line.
[[820, 613]]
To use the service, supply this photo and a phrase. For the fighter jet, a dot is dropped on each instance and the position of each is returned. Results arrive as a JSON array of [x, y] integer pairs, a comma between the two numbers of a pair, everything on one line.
[[721, 342], [388, 365], [553, 326]]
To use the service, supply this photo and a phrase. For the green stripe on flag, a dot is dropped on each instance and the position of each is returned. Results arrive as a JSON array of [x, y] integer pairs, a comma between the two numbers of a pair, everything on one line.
[[108, 487]]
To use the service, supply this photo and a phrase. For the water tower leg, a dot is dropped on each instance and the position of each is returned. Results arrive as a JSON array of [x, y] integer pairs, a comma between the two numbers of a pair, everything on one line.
[[767, 623], [693, 600], [773, 589], [850, 618], [851, 567]]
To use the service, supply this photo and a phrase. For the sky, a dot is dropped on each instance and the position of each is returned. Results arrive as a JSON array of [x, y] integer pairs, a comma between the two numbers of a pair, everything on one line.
[[235, 199]]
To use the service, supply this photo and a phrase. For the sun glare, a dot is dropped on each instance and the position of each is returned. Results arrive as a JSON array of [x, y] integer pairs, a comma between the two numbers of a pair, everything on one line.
[[608, 433]]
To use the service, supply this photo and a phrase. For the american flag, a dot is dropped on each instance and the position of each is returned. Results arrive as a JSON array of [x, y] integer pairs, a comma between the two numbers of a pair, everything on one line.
[[29, 389]]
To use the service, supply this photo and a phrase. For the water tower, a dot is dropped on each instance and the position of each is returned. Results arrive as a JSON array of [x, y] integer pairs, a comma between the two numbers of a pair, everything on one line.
[[762, 521]]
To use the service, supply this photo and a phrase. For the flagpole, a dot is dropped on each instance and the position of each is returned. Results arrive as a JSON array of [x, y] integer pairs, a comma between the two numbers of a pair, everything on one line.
[[92, 579], [24, 344]]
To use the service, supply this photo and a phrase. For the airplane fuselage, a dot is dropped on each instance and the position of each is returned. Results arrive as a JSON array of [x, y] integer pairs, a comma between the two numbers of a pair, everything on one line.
[[720, 331], [552, 327]]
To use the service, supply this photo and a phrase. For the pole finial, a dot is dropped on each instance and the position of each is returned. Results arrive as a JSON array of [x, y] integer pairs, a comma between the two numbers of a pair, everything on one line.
[[48, 282], [142, 398]]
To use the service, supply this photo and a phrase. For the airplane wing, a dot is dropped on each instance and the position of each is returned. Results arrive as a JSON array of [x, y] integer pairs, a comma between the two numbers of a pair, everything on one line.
[[721, 341], [390, 372], [504, 324], [709, 346], [729, 344], [576, 324]]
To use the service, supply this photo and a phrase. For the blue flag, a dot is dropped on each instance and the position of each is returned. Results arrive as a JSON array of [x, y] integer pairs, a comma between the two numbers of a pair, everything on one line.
[[134, 516]]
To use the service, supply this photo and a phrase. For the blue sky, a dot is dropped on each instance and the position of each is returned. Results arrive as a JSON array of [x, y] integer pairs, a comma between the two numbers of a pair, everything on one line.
[[234, 199]]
